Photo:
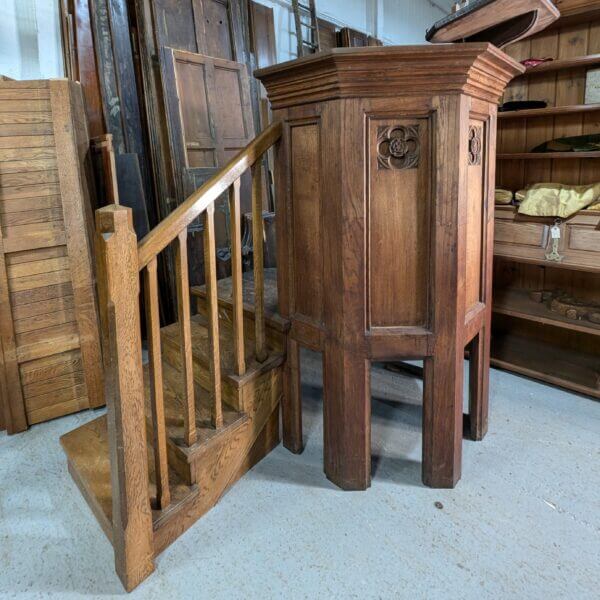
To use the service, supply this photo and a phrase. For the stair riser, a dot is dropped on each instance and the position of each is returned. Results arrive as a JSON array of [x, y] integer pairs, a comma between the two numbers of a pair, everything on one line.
[[230, 394]]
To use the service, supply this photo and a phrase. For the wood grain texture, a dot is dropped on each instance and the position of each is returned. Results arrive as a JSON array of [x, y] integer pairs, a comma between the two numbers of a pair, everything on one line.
[[47, 279], [131, 515], [390, 229]]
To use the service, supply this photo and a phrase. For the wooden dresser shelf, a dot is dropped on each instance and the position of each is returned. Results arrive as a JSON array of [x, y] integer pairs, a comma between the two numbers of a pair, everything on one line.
[[546, 155], [549, 111], [516, 303], [576, 371], [576, 62]]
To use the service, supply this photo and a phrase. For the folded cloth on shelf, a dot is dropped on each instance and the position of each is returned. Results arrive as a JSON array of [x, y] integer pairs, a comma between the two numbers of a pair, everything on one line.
[[503, 196], [576, 143], [557, 199], [595, 206]]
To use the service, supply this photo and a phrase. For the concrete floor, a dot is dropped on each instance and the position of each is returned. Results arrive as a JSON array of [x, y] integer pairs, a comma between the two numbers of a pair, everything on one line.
[[523, 523]]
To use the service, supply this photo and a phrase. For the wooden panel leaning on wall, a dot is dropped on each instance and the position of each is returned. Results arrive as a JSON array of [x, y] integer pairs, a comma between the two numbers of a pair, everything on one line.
[[50, 352]]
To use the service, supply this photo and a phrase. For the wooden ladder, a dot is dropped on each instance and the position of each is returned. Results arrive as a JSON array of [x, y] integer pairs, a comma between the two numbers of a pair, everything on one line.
[[310, 45]]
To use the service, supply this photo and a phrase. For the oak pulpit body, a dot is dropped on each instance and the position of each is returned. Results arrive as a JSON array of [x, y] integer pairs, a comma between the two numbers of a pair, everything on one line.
[[385, 191]]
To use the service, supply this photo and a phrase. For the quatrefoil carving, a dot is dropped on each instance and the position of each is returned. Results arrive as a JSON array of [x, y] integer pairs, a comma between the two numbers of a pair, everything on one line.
[[398, 147], [475, 145]]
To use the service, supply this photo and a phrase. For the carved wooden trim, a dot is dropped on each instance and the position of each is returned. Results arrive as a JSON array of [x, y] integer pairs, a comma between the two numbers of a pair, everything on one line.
[[475, 145], [398, 147]]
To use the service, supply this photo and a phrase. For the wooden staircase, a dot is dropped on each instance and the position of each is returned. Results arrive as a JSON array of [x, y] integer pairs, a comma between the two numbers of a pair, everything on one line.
[[186, 425]]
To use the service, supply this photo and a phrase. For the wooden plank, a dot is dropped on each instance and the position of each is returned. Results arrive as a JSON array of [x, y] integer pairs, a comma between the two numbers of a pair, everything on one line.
[[25, 204], [161, 467], [27, 141], [236, 278], [19, 129], [21, 93], [48, 386], [50, 366], [36, 344], [76, 199], [36, 267], [17, 258], [18, 180], [40, 239], [24, 106], [30, 191], [41, 294], [24, 312], [30, 217], [31, 282], [44, 321], [183, 315], [260, 350], [11, 394], [25, 118], [214, 356], [23, 166], [57, 410], [27, 153], [55, 396]]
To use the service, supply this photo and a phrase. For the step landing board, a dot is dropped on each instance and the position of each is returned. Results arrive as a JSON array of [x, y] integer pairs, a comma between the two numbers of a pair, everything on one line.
[[87, 451]]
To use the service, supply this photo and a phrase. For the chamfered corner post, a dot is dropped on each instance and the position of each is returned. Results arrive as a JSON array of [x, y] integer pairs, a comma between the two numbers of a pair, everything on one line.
[[118, 283], [443, 371]]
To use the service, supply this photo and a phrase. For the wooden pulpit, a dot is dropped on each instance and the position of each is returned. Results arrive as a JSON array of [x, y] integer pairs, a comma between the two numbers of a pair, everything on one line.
[[385, 201]]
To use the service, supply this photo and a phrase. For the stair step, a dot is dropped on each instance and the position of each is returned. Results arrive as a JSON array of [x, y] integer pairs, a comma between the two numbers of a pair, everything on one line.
[[207, 435], [87, 453], [225, 289], [170, 336]]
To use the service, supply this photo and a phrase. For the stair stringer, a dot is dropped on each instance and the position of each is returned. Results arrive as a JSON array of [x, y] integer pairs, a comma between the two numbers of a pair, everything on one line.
[[219, 468]]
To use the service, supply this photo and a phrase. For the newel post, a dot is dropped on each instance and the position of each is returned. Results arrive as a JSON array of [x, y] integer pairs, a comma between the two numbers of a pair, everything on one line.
[[118, 289]]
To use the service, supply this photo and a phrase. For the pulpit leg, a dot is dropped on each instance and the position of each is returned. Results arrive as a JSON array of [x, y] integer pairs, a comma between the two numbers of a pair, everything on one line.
[[347, 418], [442, 417], [291, 406], [479, 376]]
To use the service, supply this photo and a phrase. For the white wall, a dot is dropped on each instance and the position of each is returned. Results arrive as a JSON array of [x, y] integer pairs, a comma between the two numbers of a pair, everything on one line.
[[392, 21], [30, 44]]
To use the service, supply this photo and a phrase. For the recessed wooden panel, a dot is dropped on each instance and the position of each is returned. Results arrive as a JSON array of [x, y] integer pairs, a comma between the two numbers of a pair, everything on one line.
[[307, 264], [232, 124], [398, 226], [217, 29], [47, 298], [475, 212], [521, 234]]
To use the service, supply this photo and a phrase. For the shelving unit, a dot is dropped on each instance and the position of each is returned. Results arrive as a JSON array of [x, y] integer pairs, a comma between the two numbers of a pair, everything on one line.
[[549, 111], [546, 155], [527, 337], [575, 62]]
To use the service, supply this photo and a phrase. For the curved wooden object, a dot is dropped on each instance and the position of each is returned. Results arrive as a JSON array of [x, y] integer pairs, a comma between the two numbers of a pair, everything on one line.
[[500, 22]]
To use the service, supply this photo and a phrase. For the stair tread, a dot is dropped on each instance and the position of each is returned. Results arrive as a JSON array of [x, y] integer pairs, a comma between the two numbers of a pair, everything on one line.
[[199, 333], [87, 451], [174, 411], [225, 290]]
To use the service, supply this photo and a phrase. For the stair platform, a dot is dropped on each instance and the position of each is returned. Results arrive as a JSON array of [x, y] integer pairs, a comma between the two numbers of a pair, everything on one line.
[[87, 453]]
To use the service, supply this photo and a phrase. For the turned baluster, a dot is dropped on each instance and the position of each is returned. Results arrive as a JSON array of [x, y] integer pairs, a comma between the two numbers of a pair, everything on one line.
[[257, 246], [185, 337], [161, 469], [210, 276], [236, 277]]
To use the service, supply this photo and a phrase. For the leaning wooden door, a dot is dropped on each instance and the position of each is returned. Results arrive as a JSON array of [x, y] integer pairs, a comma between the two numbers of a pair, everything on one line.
[[209, 119]]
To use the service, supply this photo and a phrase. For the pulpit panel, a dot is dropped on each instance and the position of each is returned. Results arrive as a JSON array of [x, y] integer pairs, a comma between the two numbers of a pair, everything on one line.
[[398, 206]]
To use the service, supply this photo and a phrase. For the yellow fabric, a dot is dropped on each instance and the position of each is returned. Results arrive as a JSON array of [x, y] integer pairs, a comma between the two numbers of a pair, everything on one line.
[[558, 200], [520, 195], [503, 196], [595, 206]]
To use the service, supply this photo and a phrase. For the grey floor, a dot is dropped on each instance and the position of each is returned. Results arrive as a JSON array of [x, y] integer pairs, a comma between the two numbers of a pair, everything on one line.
[[523, 523]]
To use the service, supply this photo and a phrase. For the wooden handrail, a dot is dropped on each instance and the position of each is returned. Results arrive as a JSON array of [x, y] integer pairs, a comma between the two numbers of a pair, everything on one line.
[[168, 229]]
